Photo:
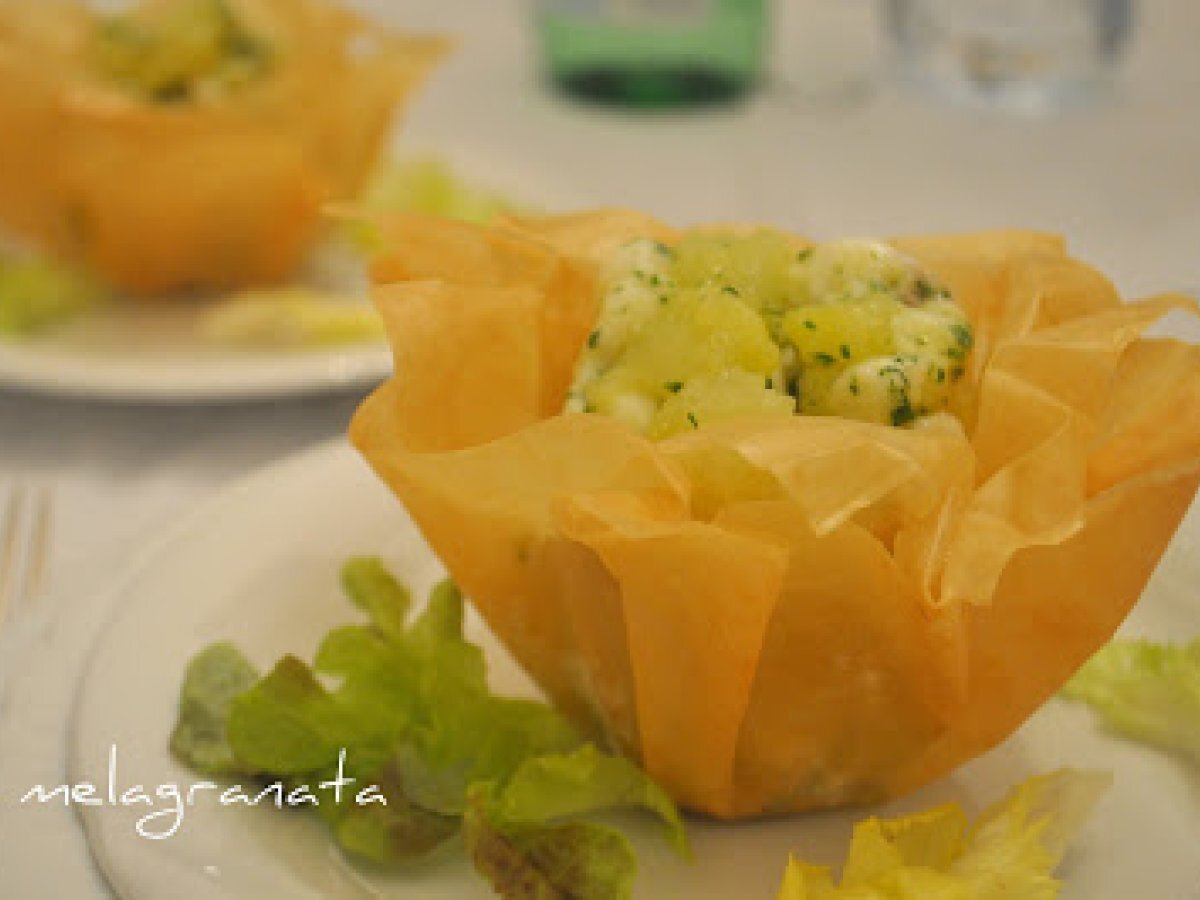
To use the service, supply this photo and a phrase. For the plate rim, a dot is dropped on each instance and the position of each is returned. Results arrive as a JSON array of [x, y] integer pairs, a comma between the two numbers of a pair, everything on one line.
[[112, 590], [53, 372]]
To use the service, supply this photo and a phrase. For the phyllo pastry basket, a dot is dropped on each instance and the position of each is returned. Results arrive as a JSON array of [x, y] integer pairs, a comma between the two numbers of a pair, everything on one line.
[[787, 613]]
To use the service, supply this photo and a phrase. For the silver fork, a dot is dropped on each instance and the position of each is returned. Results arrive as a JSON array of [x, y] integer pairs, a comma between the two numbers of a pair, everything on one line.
[[24, 548]]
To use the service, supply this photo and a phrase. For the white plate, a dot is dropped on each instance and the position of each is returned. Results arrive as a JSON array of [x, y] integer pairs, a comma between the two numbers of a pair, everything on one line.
[[146, 353], [258, 566], [112, 357], [156, 352]]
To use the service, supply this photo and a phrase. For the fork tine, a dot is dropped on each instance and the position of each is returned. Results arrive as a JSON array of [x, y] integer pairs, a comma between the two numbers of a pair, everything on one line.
[[24, 548], [9, 540], [38, 547]]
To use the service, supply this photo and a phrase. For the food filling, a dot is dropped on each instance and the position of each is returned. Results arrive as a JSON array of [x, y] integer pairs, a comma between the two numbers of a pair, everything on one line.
[[179, 52], [726, 324]]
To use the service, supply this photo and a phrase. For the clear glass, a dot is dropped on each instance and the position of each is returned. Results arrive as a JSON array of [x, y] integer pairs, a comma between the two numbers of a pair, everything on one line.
[[826, 52], [1026, 55], [653, 52]]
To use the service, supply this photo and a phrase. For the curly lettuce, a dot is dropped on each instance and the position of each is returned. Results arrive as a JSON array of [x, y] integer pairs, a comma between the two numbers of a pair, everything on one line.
[[1146, 691], [410, 713], [1009, 853]]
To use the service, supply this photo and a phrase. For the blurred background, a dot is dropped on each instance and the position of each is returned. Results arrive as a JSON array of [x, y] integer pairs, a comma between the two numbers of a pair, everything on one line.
[[840, 135], [830, 117]]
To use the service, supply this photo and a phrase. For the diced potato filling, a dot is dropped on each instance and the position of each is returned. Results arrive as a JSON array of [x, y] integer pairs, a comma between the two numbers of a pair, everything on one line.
[[179, 51], [723, 325]]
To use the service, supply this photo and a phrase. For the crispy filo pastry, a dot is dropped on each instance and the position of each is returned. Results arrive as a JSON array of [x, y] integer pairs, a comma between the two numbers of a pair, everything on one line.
[[788, 613], [157, 187]]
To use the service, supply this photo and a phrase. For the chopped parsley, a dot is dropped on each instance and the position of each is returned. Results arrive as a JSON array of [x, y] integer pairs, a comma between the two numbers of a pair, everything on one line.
[[903, 413], [848, 333], [962, 334]]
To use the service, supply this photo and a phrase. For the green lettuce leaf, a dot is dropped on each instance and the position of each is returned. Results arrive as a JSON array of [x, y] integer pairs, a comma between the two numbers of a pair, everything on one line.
[[404, 828], [1146, 691], [403, 711], [1009, 853], [570, 861], [425, 186], [288, 724], [371, 587], [386, 834], [431, 187], [584, 781], [212, 680], [37, 295]]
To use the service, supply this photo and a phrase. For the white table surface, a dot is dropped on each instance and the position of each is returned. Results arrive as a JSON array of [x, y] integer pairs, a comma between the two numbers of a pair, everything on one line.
[[1121, 178]]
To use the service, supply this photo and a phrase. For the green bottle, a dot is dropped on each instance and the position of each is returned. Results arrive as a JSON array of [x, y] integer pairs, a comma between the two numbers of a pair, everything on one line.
[[653, 52]]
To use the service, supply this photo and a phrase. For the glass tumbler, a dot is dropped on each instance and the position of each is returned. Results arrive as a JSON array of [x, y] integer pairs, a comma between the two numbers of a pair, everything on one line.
[[1024, 55]]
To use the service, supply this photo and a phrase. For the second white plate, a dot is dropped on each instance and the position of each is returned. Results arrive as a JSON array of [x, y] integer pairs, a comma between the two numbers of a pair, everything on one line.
[[152, 356]]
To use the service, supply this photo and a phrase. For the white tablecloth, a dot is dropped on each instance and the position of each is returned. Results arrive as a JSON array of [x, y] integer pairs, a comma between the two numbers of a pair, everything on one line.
[[1121, 178]]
